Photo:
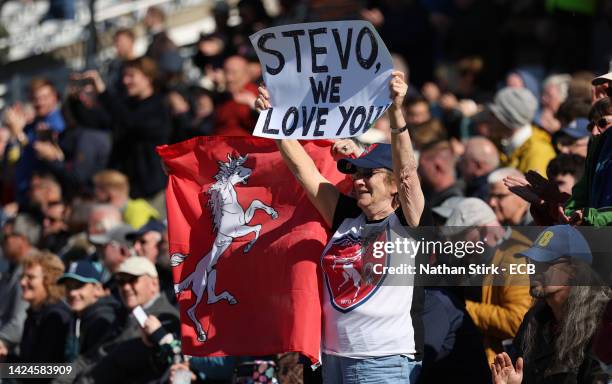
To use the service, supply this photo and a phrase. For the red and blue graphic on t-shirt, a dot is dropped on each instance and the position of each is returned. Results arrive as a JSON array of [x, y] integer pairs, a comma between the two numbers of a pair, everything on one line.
[[349, 265]]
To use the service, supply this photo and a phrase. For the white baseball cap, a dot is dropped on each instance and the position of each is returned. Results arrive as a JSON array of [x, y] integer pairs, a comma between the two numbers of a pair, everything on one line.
[[137, 266]]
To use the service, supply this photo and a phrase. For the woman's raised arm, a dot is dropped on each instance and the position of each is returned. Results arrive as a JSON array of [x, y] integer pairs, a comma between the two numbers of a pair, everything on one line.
[[404, 163]]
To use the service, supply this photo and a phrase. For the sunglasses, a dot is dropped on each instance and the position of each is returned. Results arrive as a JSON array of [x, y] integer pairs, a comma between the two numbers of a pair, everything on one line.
[[601, 123], [365, 173], [126, 279]]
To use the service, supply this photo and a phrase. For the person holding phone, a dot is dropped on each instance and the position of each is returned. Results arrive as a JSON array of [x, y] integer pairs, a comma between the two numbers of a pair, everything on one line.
[[136, 350]]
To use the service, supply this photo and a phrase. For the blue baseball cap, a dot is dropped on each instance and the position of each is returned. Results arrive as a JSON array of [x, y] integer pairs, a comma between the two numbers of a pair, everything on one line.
[[151, 226], [84, 271], [577, 128], [379, 157], [559, 241]]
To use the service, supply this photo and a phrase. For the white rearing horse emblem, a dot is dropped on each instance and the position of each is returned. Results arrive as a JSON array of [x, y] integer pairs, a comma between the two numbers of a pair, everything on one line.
[[349, 272], [230, 221]]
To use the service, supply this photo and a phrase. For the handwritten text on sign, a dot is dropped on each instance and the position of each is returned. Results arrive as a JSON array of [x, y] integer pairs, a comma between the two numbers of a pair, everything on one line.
[[325, 79]]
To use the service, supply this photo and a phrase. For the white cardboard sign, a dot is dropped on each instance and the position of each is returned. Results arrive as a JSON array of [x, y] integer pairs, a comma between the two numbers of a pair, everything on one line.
[[326, 80]]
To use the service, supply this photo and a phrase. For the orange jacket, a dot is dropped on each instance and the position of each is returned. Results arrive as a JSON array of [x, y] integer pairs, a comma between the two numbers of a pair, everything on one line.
[[504, 303]]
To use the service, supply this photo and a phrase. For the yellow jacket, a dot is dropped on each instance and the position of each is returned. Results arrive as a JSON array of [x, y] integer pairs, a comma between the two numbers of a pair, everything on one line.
[[534, 154], [504, 303]]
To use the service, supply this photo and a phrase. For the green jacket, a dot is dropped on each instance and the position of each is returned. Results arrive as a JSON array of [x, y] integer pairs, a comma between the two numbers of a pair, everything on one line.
[[581, 193]]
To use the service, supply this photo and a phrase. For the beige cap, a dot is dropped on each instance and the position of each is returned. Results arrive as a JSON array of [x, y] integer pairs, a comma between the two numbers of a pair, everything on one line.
[[137, 266], [602, 79]]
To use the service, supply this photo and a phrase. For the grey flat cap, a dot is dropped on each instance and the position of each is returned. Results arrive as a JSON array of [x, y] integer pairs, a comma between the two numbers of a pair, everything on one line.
[[514, 107]]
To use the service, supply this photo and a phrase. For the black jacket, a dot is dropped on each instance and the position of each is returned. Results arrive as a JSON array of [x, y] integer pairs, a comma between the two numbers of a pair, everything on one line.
[[126, 358], [97, 321], [539, 367], [44, 334], [139, 127], [478, 187], [454, 351]]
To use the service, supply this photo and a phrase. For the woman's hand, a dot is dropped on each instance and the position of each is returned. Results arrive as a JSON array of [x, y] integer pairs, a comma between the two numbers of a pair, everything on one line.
[[504, 372], [262, 102], [345, 148], [398, 88]]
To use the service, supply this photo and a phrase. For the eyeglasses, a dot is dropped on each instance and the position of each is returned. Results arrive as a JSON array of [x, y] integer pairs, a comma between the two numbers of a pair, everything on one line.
[[601, 123], [31, 277]]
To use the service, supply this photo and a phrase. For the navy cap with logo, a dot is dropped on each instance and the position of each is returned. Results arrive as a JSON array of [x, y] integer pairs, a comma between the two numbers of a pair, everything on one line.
[[559, 241], [84, 271], [379, 157]]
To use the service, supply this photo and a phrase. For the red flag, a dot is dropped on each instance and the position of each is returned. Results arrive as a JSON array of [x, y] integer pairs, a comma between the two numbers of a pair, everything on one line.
[[246, 245]]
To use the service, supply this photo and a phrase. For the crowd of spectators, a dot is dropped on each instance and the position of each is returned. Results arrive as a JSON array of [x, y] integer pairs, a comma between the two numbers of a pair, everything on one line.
[[506, 135]]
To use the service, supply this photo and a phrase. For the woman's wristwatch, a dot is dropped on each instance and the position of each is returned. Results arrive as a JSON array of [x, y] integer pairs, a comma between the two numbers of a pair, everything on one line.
[[399, 130]]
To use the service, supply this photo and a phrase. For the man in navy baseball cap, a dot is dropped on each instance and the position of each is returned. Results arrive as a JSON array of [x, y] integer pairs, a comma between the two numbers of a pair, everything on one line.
[[147, 240], [83, 282], [574, 137], [94, 310]]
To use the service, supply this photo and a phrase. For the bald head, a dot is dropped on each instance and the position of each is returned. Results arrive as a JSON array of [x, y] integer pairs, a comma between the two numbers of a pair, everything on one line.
[[480, 158], [437, 166], [102, 218], [236, 73]]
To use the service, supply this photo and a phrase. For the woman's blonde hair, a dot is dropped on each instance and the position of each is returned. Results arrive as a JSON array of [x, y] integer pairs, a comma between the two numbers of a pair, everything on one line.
[[52, 268]]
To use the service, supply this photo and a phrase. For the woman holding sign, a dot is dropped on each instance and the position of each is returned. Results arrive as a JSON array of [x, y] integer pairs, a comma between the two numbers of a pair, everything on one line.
[[373, 332]]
